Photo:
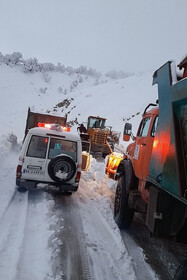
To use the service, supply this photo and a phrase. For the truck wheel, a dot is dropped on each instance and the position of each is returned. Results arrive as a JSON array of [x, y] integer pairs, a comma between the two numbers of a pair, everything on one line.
[[21, 189], [123, 215], [61, 164], [67, 193]]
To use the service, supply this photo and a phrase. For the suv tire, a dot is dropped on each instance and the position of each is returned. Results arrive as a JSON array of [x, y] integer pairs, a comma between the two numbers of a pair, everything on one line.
[[63, 164]]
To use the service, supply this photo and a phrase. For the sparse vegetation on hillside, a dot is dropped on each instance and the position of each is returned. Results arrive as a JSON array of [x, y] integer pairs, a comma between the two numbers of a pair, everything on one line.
[[33, 65]]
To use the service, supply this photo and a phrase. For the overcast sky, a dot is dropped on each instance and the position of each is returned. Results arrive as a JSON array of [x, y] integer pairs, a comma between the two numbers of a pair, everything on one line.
[[133, 35]]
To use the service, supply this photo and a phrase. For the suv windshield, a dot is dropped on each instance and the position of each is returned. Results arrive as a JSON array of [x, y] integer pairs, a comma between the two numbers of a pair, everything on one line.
[[59, 146], [37, 147]]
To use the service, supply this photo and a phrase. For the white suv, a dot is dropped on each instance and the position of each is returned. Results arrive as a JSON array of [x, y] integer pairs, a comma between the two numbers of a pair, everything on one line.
[[50, 156]]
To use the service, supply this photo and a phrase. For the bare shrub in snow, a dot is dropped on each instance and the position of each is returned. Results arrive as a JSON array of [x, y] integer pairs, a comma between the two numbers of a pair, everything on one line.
[[63, 91], [70, 70], [92, 72], [31, 65], [1, 58], [89, 95], [85, 71], [113, 74], [73, 85], [61, 68], [48, 67], [81, 70], [13, 59], [12, 138], [43, 90], [46, 77], [80, 79], [60, 89], [96, 82]]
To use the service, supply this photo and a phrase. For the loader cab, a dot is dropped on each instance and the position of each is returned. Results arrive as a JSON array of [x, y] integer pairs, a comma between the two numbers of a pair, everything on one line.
[[96, 122]]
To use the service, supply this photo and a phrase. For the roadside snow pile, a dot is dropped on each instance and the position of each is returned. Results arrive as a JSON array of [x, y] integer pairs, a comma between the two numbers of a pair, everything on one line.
[[103, 238], [8, 159]]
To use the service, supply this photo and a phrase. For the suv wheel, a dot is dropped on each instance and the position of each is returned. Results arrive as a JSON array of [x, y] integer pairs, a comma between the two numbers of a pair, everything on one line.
[[61, 169]]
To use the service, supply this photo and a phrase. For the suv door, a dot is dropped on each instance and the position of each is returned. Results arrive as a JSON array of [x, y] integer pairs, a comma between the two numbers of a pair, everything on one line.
[[34, 163], [61, 147]]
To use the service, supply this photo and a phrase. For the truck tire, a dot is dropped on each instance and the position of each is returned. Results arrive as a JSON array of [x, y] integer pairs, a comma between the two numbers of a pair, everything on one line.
[[127, 181], [64, 164], [22, 189], [123, 215]]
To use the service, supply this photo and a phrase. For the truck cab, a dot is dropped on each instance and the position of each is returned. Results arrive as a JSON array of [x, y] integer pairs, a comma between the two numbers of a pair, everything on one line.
[[152, 176], [139, 152]]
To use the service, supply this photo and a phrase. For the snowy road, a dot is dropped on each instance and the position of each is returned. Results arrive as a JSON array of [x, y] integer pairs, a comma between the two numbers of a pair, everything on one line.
[[24, 235], [72, 258], [51, 237]]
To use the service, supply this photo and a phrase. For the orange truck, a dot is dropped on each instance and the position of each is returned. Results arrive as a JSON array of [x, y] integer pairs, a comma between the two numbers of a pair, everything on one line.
[[152, 174]]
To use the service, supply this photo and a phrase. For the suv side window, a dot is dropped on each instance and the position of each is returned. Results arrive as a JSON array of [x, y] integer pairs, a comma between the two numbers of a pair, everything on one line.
[[144, 127], [59, 146], [37, 147]]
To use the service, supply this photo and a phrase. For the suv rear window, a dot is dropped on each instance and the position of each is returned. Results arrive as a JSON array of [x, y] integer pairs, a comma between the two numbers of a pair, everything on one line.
[[37, 147], [59, 146]]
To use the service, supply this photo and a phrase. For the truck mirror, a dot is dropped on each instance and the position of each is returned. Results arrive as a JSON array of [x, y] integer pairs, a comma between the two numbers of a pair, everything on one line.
[[127, 131]]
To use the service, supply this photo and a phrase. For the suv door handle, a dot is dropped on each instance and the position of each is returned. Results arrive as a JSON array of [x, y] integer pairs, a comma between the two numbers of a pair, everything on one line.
[[143, 144]]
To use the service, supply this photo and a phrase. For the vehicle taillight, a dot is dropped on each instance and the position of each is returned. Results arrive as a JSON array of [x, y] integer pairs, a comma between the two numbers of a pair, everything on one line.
[[77, 179], [53, 126], [65, 128], [45, 125], [18, 171]]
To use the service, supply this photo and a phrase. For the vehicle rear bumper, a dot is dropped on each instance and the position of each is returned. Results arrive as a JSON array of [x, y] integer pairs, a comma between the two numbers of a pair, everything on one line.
[[46, 185]]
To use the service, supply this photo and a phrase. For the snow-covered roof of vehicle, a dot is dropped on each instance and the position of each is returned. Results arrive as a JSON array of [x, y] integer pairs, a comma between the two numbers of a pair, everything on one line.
[[50, 132]]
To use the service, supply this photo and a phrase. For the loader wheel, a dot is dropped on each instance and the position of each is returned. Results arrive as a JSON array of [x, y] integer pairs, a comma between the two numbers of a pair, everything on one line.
[[123, 215]]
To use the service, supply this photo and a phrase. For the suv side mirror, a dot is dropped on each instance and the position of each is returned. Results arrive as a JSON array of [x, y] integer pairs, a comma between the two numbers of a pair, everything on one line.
[[127, 131]]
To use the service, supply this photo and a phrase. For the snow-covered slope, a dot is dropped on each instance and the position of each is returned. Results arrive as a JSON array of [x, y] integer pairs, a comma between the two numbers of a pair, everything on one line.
[[116, 100]]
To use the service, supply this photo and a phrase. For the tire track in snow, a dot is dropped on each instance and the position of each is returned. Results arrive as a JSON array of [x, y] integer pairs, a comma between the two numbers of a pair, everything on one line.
[[8, 205], [108, 256], [73, 259], [12, 226], [34, 257]]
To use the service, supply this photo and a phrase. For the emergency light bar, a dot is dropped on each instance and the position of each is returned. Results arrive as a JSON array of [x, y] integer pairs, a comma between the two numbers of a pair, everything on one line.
[[56, 127]]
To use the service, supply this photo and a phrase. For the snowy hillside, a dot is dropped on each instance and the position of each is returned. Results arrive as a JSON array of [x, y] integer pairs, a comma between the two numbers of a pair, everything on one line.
[[77, 95]]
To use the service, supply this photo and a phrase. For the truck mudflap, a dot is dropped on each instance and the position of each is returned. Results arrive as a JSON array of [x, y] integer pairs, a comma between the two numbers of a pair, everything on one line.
[[166, 215]]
